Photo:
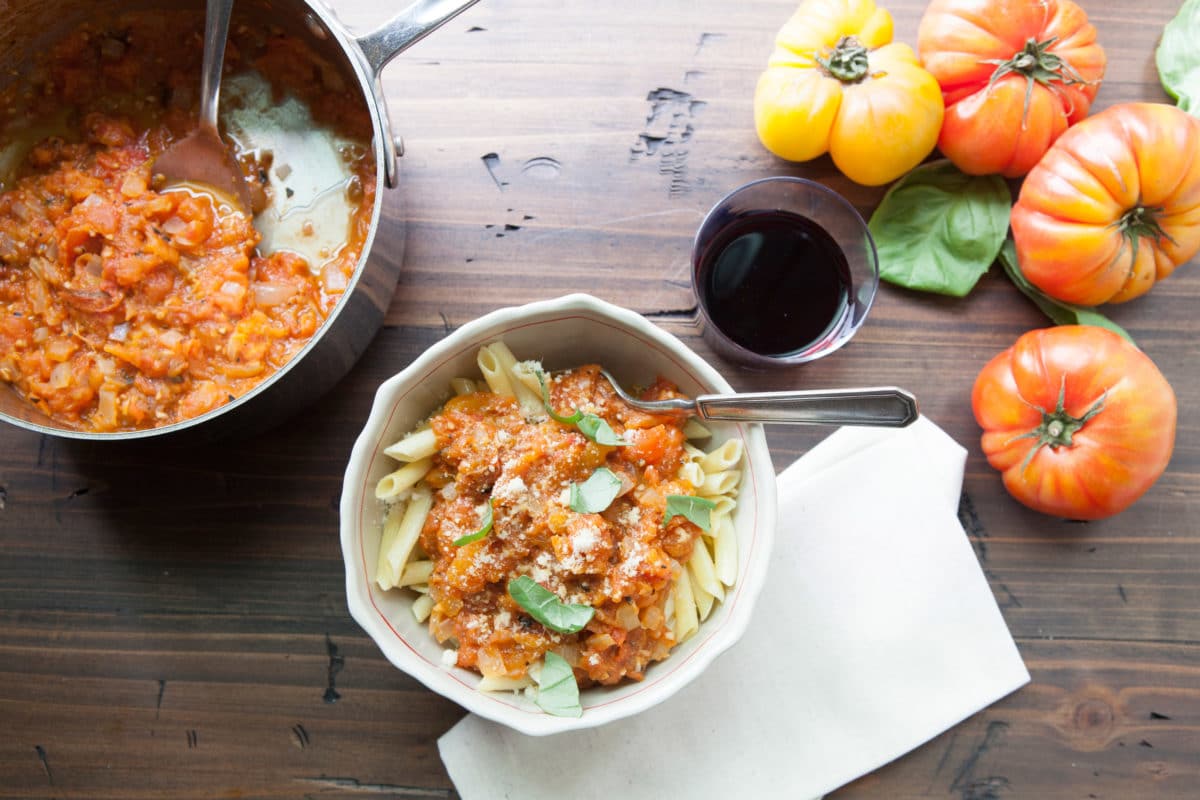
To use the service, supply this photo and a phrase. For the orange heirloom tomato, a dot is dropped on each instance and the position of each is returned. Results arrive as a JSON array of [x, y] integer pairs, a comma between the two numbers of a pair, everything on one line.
[[837, 84], [1079, 421], [1014, 73], [1113, 207]]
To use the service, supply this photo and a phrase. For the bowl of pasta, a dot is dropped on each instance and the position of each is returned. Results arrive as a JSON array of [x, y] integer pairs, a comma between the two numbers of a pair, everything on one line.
[[521, 541]]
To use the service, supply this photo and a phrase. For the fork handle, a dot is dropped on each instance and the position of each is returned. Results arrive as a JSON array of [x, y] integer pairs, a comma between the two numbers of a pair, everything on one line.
[[884, 406]]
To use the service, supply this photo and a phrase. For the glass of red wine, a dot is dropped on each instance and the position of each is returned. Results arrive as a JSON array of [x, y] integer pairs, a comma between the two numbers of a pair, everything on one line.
[[784, 270]]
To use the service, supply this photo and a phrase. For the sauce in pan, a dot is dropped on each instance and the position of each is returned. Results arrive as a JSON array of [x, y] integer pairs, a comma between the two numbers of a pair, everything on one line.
[[126, 303]]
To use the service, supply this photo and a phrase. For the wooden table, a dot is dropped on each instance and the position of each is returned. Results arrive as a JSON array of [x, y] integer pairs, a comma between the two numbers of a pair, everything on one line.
[[173, 622]]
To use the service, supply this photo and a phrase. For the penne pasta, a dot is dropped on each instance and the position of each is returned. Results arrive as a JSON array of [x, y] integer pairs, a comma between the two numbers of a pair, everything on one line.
[[692, 429], [392, 485], [704, 571], [704, 600], [399, 539], [725, 457], [723, 506], [724, 482], [503, 683], [413, 447], [461, 386], [388, 569], [686, 619], [526, 372], [416, 572], [421, 607], [530, 399], [493, 371], [692, 473], [725, 556]]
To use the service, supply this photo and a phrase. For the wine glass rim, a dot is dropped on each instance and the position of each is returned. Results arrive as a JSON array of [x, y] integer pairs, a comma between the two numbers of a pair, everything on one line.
[[857, 307]]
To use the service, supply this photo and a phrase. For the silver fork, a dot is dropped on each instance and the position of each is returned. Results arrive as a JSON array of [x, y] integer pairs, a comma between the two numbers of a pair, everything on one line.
[[878, 406]]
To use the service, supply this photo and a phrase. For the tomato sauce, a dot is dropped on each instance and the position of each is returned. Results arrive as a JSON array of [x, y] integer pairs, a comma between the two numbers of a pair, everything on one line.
[[622, 561], [126, 304]]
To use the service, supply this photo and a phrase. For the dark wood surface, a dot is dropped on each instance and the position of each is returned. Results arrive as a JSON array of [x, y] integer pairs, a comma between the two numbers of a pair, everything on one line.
[[173, 622]]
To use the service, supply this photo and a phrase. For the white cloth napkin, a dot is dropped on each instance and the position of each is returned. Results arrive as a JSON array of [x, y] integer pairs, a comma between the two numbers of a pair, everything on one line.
[[875, 632]]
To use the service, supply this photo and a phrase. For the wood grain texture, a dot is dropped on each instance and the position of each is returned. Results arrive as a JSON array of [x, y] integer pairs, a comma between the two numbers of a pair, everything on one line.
[[173, 622]]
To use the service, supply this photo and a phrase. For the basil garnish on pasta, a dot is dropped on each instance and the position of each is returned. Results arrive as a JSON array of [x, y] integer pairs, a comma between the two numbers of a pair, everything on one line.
[[558, 693], [482, 532], [544, 606], [596, 493], [695, 509], [590, 425]]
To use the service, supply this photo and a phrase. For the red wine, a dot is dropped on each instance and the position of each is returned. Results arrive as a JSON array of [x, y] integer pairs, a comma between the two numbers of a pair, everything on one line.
[[774, 282]]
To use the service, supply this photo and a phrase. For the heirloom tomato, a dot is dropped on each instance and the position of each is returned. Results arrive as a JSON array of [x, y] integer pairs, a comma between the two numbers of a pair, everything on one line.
[[1079, 421], [837, 84], [1014, 73], [1113, 207]]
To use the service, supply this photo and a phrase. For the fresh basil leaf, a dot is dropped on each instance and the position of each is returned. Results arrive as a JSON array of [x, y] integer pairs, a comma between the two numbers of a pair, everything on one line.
[[567, 420], [599, 431], [1178, 57], [544, 606], [558, 693], [695, 509], [590, 425], [938, 230], [596, 493], [482, 532], [1060, 313]]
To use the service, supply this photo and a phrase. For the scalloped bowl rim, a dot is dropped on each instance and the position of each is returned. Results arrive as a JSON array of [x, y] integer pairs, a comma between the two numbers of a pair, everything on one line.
[[754, 522]]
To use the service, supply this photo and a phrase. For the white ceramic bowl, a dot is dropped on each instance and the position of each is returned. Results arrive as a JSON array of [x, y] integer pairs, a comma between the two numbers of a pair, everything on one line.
[[567, 332]]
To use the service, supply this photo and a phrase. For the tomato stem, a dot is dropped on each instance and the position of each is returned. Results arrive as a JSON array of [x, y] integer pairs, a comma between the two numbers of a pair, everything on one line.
[[1058, 428], [1038, 65], [1137, 222], [848, 61]]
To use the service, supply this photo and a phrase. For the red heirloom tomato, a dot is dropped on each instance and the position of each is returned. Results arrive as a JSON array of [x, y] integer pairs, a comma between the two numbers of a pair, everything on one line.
[[1078, 420], [1014, 74], [1113, 207]]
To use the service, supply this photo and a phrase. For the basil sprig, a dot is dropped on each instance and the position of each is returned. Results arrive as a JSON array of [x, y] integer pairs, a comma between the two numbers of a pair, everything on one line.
[[544, 606], [558, 693], [697, 510], [590, 425], [1059, 312], [482, 532], [1178, 59], [596, 493], [938, 230]]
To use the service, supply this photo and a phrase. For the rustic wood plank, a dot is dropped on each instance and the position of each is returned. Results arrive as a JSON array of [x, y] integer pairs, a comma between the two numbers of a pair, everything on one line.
[[173, 622]]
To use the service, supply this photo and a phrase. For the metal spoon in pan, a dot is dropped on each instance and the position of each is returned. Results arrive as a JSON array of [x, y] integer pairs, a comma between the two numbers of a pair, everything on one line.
[[202, 157], [883, 406]]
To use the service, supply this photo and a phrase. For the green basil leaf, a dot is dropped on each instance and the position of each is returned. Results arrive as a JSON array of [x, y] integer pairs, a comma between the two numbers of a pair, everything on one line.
[[599, 431], [544, 606], [1060, 313], [567, 420], [695, 509], [589, 425], [596, 493], [938, 230], [482, 532], [1178, 57], [558, 693]]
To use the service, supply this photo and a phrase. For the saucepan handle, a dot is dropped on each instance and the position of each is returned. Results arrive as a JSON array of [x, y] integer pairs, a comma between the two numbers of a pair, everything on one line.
[[381, 45], [406, 28]]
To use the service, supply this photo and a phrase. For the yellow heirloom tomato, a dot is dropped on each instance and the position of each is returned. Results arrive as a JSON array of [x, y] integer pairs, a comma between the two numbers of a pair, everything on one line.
[[837, 84]]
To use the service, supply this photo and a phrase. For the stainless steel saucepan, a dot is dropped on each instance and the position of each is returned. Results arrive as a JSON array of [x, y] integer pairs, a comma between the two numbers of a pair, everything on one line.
[[32, 25]]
